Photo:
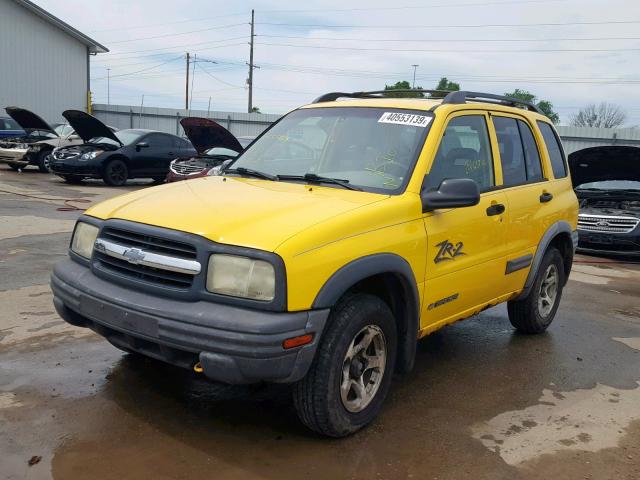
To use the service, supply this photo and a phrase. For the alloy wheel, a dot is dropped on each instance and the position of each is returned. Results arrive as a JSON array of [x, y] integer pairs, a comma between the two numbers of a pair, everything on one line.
[[548, 291], [363, 368]]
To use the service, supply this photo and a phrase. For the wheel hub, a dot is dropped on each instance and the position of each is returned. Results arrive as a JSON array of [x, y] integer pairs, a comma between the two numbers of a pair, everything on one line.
[[363, 368], [548, 291]]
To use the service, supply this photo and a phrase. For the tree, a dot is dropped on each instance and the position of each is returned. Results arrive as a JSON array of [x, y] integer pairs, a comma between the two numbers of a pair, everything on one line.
[[604, 115], [446, 84], [545, 106], [255, 110], [403, 85]]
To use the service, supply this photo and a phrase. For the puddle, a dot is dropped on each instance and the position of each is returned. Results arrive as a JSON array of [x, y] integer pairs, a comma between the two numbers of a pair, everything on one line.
[[585, 420]]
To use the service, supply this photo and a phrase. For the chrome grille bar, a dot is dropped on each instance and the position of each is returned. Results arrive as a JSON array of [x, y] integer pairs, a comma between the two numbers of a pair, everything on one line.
[[607, 223], [137, 256]]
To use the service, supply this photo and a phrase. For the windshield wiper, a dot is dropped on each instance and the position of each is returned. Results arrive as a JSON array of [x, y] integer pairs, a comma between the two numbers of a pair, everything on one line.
[[252, 173], [313, 178]]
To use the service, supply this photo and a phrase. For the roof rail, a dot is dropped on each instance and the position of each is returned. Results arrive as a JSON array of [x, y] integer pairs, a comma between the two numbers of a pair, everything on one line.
[[447, 96], [463, 96], [330, 97]]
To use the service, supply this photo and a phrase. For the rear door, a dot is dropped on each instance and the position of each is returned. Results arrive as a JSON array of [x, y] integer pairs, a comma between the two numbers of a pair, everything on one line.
[[526, 187], [465, 253], [154, 159]]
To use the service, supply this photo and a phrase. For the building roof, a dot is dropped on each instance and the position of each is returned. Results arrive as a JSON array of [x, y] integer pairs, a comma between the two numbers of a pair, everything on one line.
[[94, 47]]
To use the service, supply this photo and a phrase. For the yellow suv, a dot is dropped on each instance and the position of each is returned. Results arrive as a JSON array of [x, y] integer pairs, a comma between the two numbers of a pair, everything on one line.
[[348, 230]]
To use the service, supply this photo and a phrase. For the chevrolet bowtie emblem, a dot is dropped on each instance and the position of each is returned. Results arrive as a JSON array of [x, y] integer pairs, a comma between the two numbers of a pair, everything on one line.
[[134, 255]]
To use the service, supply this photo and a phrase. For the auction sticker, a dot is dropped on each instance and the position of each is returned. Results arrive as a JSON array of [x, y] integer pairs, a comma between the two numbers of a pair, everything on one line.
[[405, 119]]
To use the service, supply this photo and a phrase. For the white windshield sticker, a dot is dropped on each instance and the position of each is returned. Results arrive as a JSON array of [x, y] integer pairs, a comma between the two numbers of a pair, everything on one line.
[[405, 119]]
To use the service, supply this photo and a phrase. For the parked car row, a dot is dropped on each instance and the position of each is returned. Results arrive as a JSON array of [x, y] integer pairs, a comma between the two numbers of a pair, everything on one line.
[[85, 147]]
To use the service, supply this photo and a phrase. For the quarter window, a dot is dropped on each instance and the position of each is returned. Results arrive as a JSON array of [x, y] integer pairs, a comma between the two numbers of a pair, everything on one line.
[[556, 155], [464, 152], [519, 154]]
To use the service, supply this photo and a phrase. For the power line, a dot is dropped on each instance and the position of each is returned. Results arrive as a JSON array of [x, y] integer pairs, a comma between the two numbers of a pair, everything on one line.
[[480, 25], [109, 55], [534, 50], [454, 40], [179, 33], [219, 80], [414, 7], [168, 23], [144, 69]]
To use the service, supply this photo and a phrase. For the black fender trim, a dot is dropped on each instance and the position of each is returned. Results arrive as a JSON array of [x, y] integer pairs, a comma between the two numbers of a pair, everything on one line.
[[552, 232], [365, 267]]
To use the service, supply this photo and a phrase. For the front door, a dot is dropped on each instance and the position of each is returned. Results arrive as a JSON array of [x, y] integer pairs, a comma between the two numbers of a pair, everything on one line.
[[466, 246]]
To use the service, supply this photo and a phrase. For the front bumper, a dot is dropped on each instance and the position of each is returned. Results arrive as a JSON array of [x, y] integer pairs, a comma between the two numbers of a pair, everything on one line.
[[73, 167], [599, 243], [17, 156], [233, 344]]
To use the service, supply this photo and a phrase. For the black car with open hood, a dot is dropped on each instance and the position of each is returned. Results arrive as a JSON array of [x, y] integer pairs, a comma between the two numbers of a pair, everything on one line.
[[118, 156], [607, 183], [22, 150], [215, 146]]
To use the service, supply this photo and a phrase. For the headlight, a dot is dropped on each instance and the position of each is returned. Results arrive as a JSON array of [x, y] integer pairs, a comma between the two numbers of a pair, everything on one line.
[[90, 155], [84, 237], [241, 277]]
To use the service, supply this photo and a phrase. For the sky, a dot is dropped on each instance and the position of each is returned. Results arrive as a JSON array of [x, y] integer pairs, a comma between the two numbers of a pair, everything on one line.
[[570, 52]]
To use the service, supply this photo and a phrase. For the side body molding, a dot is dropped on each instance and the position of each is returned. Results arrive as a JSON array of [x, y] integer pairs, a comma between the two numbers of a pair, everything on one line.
[[382, 263], [560, 227]]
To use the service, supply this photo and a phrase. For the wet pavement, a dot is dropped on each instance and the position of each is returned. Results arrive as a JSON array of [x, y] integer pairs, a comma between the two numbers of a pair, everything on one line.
[[483, 402]]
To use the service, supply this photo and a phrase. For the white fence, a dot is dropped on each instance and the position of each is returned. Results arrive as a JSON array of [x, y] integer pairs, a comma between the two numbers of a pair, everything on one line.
[[252, 124]]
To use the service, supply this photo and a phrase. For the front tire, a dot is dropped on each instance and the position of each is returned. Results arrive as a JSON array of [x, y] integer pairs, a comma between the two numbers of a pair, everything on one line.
[[115, 173], [43, 161], [352, 371], [534, 313]]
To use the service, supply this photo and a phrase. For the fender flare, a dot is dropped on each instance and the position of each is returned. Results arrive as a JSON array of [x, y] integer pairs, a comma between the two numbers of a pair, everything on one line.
[[552, 232], [353, 272]]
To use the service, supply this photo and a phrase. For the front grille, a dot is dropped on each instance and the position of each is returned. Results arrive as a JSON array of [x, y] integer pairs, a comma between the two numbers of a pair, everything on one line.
[[186, 168], [63, 155], [609, 224], [151, 244]]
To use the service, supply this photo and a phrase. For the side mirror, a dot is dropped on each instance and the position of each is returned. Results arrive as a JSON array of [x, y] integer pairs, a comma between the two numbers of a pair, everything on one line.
[[452, 193], [141, 145]]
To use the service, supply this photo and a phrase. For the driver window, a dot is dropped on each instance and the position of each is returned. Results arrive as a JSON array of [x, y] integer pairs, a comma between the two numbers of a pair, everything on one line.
[[464, 152]]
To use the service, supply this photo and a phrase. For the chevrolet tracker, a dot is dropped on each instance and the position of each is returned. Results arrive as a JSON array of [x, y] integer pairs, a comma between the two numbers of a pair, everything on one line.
[[347, 231]]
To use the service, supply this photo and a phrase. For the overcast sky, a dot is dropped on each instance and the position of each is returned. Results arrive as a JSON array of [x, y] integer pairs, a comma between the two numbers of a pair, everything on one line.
[[588, 51]]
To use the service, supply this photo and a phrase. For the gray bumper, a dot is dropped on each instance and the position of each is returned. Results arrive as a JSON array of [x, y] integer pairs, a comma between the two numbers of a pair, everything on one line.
[[233, 345]]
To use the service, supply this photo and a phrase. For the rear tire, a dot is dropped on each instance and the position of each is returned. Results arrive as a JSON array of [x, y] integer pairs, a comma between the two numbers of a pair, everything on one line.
[[115, 173], [43, 161], [343, 392], [534, 313]]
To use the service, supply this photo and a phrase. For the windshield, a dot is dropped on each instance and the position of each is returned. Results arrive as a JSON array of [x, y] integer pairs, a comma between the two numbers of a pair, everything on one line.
[[126, 137], [372, 148], [64, 130], [611, 185], [41, 134]]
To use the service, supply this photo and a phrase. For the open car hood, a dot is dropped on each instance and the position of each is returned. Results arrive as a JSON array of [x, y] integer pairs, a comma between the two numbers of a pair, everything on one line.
[[604, 163], [205, 134], [29, 121], [87, 126]]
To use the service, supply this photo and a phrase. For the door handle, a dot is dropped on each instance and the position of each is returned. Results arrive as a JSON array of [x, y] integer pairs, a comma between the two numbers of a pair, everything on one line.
[[546, 197], [496, 209]]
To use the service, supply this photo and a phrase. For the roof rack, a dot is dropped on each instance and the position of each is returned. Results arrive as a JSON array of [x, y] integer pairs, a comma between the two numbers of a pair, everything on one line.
[[449, 97]]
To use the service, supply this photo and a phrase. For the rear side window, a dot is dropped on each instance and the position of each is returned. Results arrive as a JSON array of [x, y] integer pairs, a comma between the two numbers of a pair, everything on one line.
[[464, 152], [519, 154], [531, 154], [556, 155]]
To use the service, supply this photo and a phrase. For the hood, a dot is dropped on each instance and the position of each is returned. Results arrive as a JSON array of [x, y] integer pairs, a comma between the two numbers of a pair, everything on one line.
[[29, 121], [596, 164], [236, 211], [87, 126], [205, 134]]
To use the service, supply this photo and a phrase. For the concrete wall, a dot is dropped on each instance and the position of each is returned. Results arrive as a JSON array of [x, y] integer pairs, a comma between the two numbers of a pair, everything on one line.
[[577, 138], [42, 68], [166, 119]]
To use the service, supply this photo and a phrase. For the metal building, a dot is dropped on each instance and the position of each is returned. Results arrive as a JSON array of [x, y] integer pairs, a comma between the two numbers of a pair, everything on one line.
[[44, 62]]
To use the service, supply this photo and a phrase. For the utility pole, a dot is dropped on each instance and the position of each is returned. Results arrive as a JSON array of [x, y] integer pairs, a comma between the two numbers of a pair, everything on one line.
[[108, 86], [186, 86], [193, 78], [251, 67], [414, 75]]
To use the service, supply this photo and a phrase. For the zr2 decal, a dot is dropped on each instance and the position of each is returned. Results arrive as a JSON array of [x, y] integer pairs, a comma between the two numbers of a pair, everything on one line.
[[448, 251]]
